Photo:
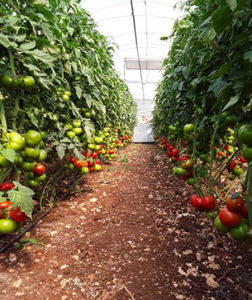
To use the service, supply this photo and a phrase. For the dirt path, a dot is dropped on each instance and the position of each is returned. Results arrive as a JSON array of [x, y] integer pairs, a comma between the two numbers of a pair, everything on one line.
[[131, 236]]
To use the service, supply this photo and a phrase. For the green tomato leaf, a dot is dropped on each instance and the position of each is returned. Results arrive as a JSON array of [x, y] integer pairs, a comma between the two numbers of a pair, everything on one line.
[[23, 200], [231, 102], [9, 154], [232, 4], [23, 188], [221, 18], [28, 46], [77, 153], [60, 151], [78, 91], [248, 55]]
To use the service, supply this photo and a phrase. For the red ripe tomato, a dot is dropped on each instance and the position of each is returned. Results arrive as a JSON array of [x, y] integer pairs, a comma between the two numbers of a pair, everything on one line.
[[5, 204], [17, 215], [98, 162], [180, 158], [88, 154], [95, 155], [6, 186], [186, 157], [85, 164], [72, 160], [231, 166], [91, 169], [78, 164], [175, 152], [196, 201], [243, 160], [101, 146], [90, 163], [226, 148], [234, 204], [244, 210], [170, 148], [208, 203], [229, 218], [39, 169], [185, 177]]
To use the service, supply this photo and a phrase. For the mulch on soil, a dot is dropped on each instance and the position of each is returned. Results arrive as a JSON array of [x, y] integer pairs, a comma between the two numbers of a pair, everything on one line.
[[131, 235]]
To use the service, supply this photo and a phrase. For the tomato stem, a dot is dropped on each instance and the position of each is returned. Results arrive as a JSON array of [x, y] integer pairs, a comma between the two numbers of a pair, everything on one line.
[[248, 194], [11, 57], [212, 150], [3, 119]]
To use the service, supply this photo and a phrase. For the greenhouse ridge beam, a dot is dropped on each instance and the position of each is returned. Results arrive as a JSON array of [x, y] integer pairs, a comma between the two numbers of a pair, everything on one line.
[[143, 16], [136, 41]]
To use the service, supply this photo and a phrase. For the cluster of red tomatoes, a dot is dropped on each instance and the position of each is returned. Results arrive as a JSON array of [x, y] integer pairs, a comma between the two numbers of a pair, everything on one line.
[[185, 163], [203, 203], [10, 215], [90, 164], [235, 166], [233, 217]]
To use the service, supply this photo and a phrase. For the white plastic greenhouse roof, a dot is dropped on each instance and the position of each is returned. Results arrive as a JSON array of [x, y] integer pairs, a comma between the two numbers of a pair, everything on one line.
[[139, 66]]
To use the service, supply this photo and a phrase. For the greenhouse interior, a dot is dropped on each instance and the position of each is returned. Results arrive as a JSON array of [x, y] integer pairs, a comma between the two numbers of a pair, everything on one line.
[[126, 149]]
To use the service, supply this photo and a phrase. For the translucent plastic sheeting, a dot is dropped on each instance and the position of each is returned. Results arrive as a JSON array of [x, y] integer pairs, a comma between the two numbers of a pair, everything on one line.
[[154, 19]]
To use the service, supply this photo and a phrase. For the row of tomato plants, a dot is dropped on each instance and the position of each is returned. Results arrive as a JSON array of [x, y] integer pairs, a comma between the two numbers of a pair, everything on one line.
[[60, 98], [202, 116]]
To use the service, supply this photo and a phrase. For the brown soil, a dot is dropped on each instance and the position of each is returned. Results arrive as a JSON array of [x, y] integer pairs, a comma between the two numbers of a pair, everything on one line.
[[132, 235]]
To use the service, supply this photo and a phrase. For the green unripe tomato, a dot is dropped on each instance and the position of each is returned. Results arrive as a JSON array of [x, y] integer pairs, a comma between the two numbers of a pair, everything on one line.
[[65, 98], [98, 140], [4, 163], [68, 126], [28, 82], [33, 183], [70, 134], [247, 153], [87, 114], [32, 152], [16, 141], [28, 166], [68, 93], [33, 138], [220, 226], [77, 130], [77, 123], [188, 128], [42, 155], [84, 170], [239, 232], [7, 226], [41, 177]]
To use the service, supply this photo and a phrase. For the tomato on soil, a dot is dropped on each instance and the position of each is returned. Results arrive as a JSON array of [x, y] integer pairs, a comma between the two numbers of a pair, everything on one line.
[[229, 218], [17, 215], [208, 203], [218, 224], [239, 232], [196, 201], [234, 204], [78, 164], [7, 226]]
